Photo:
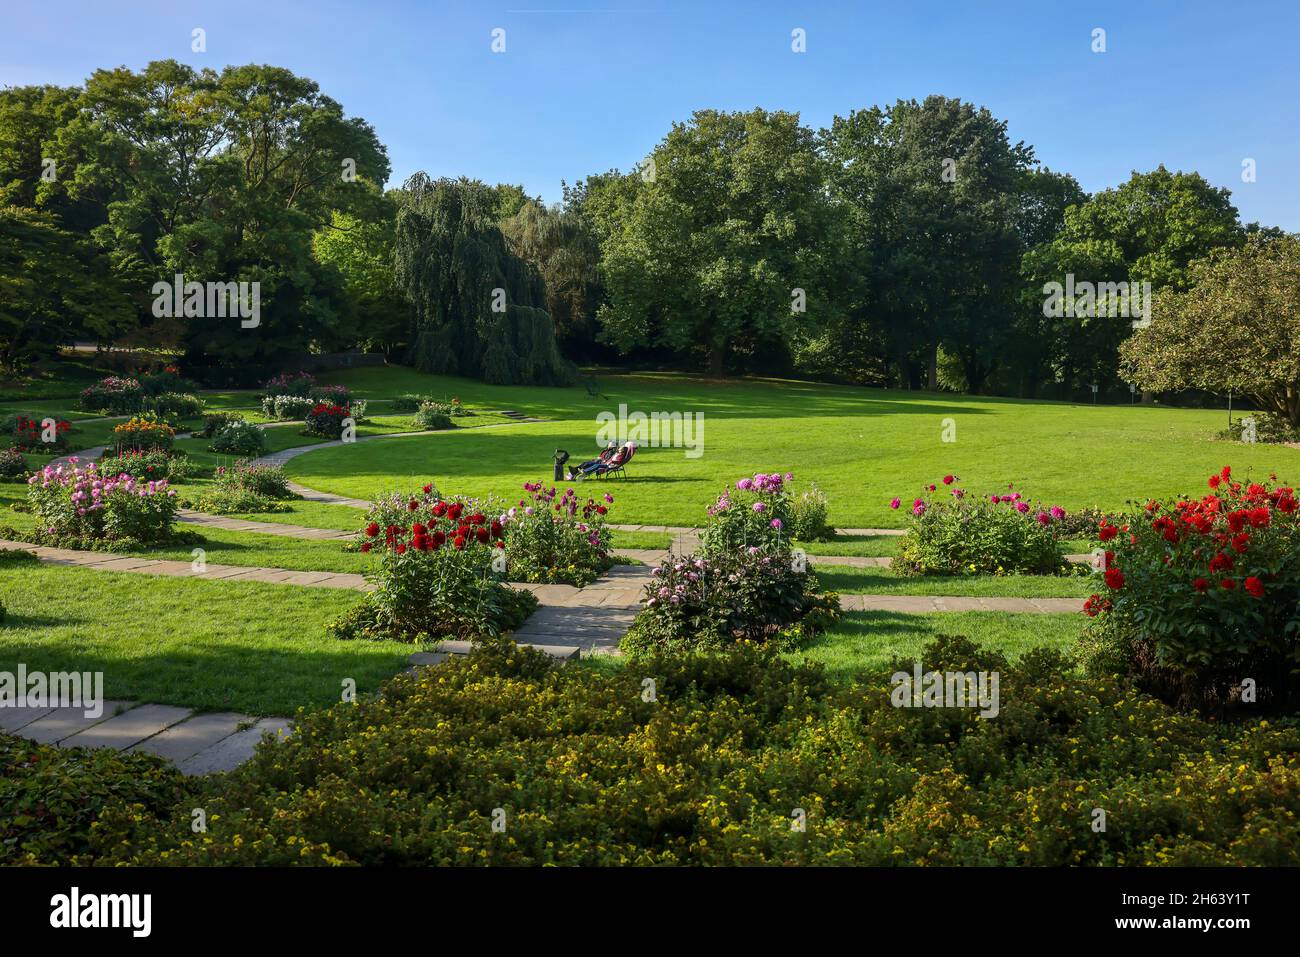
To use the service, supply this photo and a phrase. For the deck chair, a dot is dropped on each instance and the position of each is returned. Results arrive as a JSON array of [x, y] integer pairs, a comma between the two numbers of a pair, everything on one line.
[[617, 464]]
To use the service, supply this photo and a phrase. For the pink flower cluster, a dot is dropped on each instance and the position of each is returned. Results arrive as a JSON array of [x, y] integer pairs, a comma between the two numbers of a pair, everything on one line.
[[1011, 497], [91, 490]]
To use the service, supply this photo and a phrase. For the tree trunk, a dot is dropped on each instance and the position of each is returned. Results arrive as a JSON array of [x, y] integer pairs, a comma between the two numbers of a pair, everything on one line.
[[932, 373], [716, 356]]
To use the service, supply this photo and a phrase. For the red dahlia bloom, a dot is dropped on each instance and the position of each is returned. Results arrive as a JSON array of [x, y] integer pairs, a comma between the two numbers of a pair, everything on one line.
[[1255, 587], [1114, 578], [1227, 584], [1201, 584], [1215, 481], [372, 529]]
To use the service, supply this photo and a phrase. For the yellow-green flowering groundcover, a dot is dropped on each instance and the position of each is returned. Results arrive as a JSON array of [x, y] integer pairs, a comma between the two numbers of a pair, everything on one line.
[[735, 758]]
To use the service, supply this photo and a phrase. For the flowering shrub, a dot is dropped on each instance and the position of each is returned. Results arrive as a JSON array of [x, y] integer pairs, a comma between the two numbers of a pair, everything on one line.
[[440, 575], [29, 434], [706, 773], [113, 396], [755, 513], [246, 488], [808, 521], [290, 383], [708, 603], [147, 465], [956, 533], [238, 437], [331, 394], [12, 463], [1203, 593], [79, 505], [557, 540], [168, 379], [175, 407], [433, 415], [327, 420], [143, 432], [286, 407], [214, 422]]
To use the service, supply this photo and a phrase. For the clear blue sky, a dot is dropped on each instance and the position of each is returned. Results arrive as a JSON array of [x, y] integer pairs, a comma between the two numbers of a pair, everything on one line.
[[586, 85]]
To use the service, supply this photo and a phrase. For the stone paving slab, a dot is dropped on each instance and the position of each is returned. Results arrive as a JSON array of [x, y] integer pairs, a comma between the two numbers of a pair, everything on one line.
[[62, 723], [127, 729], [13, 719], [187, 738], [234, 749]]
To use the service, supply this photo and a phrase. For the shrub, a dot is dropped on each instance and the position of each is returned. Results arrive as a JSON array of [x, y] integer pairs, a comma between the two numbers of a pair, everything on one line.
[[149, 465], [1269, 427], [708, 771], [175, 407], [268, 480], [1202, 594], [286, 407], [12, 463], [409, 402], [557, 540], [29, 434], [166, 380], [327, 420], [756, 513], [143, 432], [964, 534], [358, 408], [87, 505], [51, 798], [395, 508], [238, 437], [290, 383], [235, 499], [214, 422], [332, 394], [433, 416], [808, 521], [114, 396], [709, 603], [439, 576]]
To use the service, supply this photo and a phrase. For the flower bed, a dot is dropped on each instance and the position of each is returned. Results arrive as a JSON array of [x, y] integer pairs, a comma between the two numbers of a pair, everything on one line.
[[712, 769], [143, 433], [327, 420], [113, 396], [175, 407], [84, 507], [747, 584], [238, 437], [29, 434], [290, 383], [1203, 594], [246, 488], [953, 532], [558, 539], [286, 407], [147, 465], [441, 575]]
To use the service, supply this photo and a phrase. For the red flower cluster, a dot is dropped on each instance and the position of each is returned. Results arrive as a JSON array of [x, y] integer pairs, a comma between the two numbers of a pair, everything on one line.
[[448, 524], [27, 432]]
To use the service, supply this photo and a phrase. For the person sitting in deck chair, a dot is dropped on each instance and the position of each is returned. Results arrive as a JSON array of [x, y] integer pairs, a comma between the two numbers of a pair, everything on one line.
[[616, 463], [590, 466]]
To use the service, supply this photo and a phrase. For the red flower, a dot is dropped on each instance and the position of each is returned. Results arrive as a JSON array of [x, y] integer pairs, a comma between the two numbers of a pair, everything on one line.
[[1215, 481], [1259, 517], [365, 546], [440, 509], [1227, 584], [947, 480], [412, 505], [1255, 587], [1114, 578], [417, 529], [1090, 606], [1107, 532], [1226, 473], [401, 549], [601, 510], [459, 543], [1201, 584], [428, 488], [1240, 542], [481, 534]]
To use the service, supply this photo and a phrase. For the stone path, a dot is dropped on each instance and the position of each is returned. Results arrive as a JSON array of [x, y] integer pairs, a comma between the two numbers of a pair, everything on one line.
[[195, 743]]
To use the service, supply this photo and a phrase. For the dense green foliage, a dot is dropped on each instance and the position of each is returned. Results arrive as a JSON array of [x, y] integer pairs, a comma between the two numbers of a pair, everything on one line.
[[740, 758]]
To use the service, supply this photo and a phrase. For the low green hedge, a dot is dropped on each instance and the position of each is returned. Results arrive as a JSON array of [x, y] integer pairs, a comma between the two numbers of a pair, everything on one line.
[[713, 760]]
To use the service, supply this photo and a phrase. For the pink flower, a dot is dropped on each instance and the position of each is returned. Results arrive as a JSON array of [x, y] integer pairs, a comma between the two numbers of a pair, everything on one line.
[[895, 503], [776, 523]]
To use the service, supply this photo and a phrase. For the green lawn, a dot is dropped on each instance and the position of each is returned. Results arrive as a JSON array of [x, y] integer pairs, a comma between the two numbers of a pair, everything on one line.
[[869, 640], [881, 581], [212, 645], [862, 446]]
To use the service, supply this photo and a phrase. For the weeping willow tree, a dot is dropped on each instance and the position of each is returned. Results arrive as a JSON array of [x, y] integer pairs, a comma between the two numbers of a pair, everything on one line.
[[479, 309]]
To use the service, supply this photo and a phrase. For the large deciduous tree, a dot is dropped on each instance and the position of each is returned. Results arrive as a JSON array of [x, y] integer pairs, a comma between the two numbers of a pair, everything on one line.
[[1233, 326], [479, 309], [707, 244]]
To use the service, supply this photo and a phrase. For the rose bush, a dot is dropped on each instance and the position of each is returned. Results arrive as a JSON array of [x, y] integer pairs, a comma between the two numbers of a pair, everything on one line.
[[954, 532], [327, 420], [1203, 593], [82, 506], [558, 539]]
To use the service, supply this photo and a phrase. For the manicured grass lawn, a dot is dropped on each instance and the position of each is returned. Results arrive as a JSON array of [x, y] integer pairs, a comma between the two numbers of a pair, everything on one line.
[[342, 518], [213, 645], [862, 446], [871, 640], [881, 581]]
